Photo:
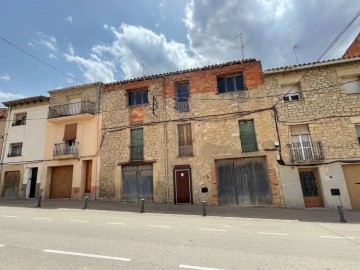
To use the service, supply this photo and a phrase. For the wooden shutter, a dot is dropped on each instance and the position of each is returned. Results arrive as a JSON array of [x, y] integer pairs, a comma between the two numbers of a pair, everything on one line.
[[137, 137], [185, 135], [188, 134], [70, 132]]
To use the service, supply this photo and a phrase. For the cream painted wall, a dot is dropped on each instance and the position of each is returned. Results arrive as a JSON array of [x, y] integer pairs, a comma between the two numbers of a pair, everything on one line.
[[32, 134]]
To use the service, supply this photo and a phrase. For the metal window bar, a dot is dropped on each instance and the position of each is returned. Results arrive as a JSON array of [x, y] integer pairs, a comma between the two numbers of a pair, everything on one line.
[[306, 151], [137, 152], [19, 122], [182, 106], [61, 149], [71, 109], [248, 142], [16, 151], [185, 148]]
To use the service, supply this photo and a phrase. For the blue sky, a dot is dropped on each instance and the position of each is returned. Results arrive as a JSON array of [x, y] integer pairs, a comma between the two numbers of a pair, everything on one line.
[[113, 40]]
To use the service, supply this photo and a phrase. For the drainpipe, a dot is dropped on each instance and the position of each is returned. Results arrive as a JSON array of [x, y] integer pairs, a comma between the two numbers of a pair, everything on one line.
[[166, 143], [4, 146]]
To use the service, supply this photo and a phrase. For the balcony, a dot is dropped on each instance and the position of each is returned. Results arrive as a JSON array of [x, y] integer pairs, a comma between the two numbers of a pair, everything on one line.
[[64, 150], [79, 109], [306, 151], [185, 148], [137, 152], [182, 106]]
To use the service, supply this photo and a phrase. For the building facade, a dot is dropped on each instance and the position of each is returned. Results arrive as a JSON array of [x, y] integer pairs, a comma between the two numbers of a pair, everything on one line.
[[188, 136], [72, 142], [318, 118], [23, 147]]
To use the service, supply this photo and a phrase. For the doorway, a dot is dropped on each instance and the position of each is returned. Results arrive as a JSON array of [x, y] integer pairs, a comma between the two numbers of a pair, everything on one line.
[[61, 182], [88, 176], [310, 186], [33, 179], [182, 185]]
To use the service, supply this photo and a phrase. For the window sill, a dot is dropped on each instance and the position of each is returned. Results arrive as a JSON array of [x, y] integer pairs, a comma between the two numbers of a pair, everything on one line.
[[232, 92], [139, 105], [185, 156]]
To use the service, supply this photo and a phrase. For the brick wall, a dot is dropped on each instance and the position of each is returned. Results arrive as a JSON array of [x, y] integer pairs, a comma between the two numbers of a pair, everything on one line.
[[354, 49]]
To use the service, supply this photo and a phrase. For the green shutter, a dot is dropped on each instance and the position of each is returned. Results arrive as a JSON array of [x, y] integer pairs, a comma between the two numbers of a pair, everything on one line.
[[248, 136], [137, 144]]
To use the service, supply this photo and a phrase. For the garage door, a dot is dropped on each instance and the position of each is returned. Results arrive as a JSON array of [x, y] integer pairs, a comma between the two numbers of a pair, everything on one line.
[[243, 182], [137, 183], [352, 178], [12, 183], [61, 182]]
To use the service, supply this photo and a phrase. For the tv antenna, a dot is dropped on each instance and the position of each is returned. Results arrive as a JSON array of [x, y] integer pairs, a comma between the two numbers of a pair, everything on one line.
[[296, 47], [144, 69], [240, 36]]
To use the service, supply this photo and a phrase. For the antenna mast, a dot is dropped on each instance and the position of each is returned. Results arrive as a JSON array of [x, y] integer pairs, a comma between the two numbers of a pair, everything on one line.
[[296, 47]]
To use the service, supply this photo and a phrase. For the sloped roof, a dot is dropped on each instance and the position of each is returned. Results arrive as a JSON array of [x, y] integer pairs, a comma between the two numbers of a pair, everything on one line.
[[75, 86], [24, 101]]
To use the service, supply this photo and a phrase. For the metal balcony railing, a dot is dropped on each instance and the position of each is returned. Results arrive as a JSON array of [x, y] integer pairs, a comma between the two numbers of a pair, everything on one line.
[[185, 148], [71, 109], [62, 149], [137, 152], [306, 151], [182, 106], [248, 143]]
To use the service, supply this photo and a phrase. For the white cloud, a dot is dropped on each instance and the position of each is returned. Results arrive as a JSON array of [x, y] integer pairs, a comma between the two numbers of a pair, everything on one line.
[[5, 96], [105, 26], [52, 56], [94, 68], [47, 41], [69, 19], [5, 77], [30, 44]]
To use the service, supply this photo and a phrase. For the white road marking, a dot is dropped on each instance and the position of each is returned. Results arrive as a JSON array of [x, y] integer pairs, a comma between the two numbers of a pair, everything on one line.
[[9, 216], [80, 221], [42, 218], [336, 237], [217, 230], [115, 223], [197, 267], [273, 233], [87, 255], [159, 226]]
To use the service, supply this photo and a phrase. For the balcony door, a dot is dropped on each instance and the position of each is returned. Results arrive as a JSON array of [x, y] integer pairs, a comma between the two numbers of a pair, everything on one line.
[[302, 147]]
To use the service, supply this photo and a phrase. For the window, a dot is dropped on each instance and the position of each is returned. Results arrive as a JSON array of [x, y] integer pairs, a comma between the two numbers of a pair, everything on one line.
[[15, 150], [138, 97], [230, 84], [352, 85], [301, 142], [20, 119], [137, 144], [291, 92], [357, 128], [182, 96], [185, 140], [248, 136]]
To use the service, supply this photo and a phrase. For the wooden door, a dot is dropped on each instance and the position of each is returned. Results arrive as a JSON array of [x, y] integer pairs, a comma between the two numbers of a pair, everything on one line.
[[310, 186], [12, 183], [88, 176], [352, 178], [182, 186], [243, 181], [61, 182], [137, 183], [248, 136]]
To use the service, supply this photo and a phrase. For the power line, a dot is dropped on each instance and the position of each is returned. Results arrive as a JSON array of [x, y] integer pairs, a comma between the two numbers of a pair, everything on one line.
[[41, 61], [321, 56]]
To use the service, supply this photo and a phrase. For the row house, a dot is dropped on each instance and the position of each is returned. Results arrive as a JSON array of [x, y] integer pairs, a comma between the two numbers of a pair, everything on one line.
[[192, 135], [23, 147], [318, 117], [71, 165]]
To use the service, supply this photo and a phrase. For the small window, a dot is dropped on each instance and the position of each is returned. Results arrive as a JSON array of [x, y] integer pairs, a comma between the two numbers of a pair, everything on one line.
[[20, 119], [182, 96], [230, 84], [185, 140], [291, 92], [15, 150], [352, 85], [137, 144], [138, 97], [357, 128]]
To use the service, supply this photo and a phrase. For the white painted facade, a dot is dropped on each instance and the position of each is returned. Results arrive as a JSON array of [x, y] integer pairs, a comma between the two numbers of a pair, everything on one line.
[[32, 135]]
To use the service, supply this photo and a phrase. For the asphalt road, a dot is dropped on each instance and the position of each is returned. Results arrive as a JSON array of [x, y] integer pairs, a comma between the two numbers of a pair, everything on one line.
[[90, 239]]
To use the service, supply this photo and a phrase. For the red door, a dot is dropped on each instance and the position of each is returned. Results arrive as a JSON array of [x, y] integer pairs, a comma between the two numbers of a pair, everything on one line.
[[182, 186]]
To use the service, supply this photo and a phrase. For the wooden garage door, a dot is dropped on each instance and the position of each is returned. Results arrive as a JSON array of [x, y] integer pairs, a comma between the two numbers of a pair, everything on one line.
[[352, 178], [137, 183], [61, 182], [12, 183], [243, 181]]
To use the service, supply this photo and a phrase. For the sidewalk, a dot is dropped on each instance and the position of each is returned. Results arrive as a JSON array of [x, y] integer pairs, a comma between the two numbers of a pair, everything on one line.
[[306, 215]]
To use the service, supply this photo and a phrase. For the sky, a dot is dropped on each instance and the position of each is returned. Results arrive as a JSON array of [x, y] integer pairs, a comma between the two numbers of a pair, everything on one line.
[[84, 41]]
